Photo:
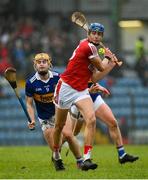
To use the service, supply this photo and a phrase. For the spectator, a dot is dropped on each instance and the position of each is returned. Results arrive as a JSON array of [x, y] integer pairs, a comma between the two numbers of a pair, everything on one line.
[[141, 65], [24, 36], [4, 58]]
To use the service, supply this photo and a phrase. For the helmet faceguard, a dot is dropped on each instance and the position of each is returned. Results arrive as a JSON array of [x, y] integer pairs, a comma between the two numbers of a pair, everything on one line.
[[96, 27]]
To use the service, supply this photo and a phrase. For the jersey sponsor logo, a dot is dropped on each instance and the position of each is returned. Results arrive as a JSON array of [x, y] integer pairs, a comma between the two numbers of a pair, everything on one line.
[[44, 98], [38, 89]]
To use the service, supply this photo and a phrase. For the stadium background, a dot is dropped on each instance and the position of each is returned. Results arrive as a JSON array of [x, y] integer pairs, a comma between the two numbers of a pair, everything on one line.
[[29, 26]]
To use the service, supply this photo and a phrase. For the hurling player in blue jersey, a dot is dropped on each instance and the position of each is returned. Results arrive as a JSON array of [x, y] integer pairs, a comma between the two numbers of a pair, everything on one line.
[[40, 89], [104, 113]]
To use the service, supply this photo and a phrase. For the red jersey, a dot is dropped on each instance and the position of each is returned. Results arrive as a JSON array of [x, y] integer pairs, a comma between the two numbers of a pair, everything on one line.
[[79, 68]]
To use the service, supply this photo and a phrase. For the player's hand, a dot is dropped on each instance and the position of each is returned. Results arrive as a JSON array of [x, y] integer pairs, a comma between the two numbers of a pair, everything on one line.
[[112, 61], [111, 57], [103, 90], [115, 60], [108, 54], [31, 125], [94, 88], [98, 88]]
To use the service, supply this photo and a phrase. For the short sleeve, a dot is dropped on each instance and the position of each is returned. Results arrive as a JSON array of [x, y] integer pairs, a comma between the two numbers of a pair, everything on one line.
[[93, 49]]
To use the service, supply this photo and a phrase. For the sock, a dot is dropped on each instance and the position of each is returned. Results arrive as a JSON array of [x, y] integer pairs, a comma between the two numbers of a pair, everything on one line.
[[56, 153], [121, 152], [79, 160], [87, 152]]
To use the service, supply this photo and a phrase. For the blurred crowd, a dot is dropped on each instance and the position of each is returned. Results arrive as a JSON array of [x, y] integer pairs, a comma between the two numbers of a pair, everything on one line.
[[22, 37]]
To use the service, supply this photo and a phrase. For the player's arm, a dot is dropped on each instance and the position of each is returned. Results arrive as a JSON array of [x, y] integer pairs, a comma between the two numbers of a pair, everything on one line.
[[97, 63], [108, 65], [30, 109]]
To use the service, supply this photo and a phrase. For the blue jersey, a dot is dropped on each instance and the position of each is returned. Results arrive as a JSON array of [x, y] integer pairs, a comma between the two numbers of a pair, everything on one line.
[[42, 92]]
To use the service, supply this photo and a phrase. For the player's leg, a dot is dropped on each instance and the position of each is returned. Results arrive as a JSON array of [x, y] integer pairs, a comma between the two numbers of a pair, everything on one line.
[[78, 126], [69, 137], [77, 120], [64, 97], [60, 119], [86, 108], [72, 141], [48, 130], [76, 123], [48, 136], [105, 114], [60, 116], [47, 127]]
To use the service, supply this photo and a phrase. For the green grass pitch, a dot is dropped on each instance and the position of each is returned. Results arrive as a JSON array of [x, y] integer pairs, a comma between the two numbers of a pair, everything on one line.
[[34, 162]]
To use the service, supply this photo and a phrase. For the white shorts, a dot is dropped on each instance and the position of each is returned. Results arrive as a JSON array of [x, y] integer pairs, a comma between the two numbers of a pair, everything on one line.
[[74, 112], [48, 123], [65, 96]]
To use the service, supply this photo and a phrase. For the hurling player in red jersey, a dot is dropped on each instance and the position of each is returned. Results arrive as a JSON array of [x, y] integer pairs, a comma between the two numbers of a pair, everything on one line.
[[72, 88]]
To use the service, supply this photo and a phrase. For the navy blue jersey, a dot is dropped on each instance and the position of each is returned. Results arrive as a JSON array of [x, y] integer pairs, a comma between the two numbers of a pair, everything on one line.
[[42, 92]]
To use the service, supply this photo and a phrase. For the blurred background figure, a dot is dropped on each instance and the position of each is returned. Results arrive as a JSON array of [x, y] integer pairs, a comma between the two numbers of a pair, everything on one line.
[[141, 65], [140, 48]]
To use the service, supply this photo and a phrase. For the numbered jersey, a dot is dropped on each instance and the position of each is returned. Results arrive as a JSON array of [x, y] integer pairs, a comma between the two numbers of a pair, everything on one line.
[[42, 93], [79, 68]]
